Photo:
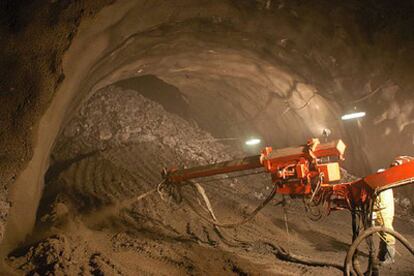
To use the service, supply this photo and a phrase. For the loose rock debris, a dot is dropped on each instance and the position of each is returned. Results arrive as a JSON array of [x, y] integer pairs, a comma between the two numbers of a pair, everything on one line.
[[112, 151]]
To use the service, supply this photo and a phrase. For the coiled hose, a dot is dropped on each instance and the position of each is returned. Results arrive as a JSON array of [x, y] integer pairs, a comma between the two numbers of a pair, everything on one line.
[[365, 234]]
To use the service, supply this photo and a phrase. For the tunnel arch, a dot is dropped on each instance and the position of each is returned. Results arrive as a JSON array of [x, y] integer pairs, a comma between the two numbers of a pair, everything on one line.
[[156, 48], [270, 76]]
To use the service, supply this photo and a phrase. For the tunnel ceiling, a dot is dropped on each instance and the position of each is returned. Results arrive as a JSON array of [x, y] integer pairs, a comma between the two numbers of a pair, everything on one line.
[[245, 88], [270, 69], [282, 70]]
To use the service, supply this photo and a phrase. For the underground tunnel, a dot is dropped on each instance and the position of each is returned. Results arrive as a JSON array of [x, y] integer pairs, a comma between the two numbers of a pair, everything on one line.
[[104, 103]]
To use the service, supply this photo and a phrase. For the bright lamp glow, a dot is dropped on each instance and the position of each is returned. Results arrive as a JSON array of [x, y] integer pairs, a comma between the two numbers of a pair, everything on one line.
[[355, 115], [253, 141]]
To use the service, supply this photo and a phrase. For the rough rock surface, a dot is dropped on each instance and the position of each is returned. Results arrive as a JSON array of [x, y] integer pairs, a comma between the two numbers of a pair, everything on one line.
[[282, 69], [90, 222], [114, 117], [284, 60]]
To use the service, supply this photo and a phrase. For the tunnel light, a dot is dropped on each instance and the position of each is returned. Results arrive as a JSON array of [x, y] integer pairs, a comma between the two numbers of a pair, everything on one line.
[[253, 141], [354, 115]]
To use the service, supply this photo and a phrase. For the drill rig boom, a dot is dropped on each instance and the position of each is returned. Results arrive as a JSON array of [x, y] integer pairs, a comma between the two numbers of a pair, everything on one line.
[[288, 163], [311, 170], [235, 165], [293, 170]]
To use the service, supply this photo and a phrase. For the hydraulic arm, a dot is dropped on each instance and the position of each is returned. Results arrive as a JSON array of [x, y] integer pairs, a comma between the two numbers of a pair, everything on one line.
[[311, 170]]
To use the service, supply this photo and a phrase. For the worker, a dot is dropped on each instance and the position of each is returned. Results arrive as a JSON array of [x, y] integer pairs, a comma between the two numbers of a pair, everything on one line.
[[384, 216]]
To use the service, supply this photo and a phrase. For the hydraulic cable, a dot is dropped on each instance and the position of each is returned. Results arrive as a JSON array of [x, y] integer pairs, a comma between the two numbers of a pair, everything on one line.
[[365, 234], [278, 251]]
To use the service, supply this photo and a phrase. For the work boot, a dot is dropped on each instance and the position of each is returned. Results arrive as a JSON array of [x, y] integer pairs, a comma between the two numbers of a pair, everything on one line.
[[386, 253]]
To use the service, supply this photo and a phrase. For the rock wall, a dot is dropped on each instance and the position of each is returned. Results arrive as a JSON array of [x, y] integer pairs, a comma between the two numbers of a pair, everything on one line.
[[283, 70]]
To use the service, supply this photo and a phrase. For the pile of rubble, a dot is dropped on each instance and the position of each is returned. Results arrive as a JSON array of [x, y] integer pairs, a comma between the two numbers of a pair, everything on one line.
[[52, 256], [114, 149], [114, 117]]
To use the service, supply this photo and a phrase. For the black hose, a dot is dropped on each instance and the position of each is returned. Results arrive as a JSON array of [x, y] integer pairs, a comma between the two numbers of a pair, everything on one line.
[[278, 251], [367, 233], [284, 255]]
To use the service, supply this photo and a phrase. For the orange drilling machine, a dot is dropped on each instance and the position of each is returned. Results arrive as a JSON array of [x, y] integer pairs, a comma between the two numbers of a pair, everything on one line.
[[312, 171]]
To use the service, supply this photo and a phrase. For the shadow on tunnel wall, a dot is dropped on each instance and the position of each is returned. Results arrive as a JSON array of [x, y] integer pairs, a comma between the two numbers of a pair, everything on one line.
[[158, 91]]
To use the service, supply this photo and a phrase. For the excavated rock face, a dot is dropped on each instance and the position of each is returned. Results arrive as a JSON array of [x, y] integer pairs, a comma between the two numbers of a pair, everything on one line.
[[281, 70], [112, 150], [90, 220], [115, 118]]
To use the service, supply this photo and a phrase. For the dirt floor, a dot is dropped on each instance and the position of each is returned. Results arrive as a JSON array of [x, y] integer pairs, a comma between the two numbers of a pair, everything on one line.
[[91, 223]]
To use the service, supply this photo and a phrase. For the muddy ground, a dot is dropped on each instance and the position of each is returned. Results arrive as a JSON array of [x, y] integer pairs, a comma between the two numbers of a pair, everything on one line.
[[90, 222]]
